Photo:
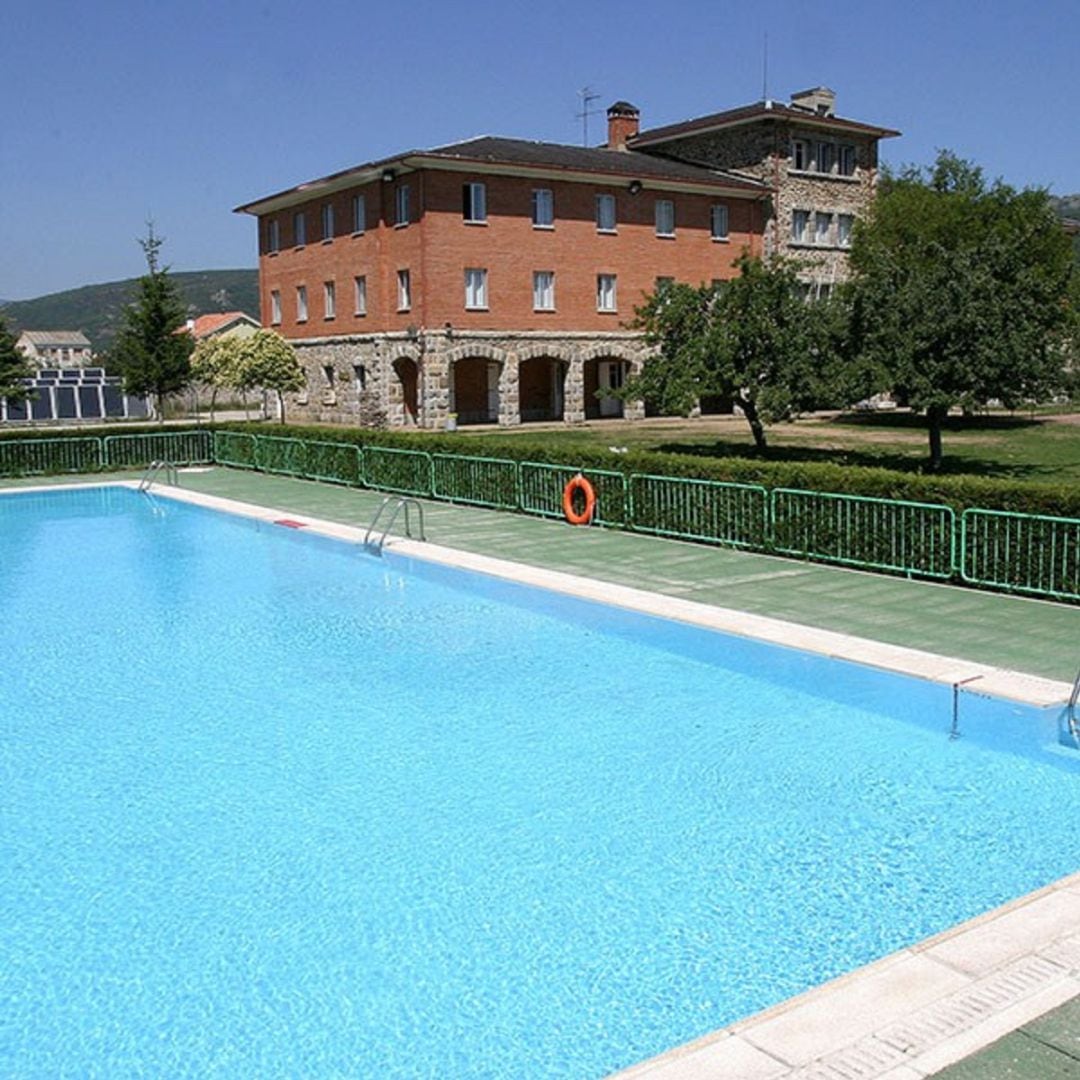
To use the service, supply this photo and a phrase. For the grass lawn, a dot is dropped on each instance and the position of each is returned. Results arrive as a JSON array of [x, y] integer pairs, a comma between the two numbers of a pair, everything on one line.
[[1021, 447]]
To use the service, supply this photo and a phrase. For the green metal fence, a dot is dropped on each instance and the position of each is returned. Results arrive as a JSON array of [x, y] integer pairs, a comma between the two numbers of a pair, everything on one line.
[[404, 472], [179, 447], [542, 487], [236, 449], [1023, 552], [1033, 554], [736, 515], [477, 480], [875, 534], [40, 457]]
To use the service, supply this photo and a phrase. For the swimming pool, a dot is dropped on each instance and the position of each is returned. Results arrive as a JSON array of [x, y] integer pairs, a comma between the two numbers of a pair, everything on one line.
[[273, 807]]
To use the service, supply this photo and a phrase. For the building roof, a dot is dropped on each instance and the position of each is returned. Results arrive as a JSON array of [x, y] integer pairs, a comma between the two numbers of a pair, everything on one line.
[[747, 114], [524, 158], [1071, 225], [206, 325], [68, 339]]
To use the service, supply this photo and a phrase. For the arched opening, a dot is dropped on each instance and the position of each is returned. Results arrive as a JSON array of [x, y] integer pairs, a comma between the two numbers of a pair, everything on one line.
[[406, 371], [541, 388], [601, 378], [476, 390]]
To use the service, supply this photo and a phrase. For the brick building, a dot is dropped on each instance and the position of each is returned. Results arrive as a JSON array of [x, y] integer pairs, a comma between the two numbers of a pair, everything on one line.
[[493, 280]]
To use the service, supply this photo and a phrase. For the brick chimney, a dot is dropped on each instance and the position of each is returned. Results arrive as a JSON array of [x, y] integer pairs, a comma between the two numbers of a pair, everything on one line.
[[623, 120]]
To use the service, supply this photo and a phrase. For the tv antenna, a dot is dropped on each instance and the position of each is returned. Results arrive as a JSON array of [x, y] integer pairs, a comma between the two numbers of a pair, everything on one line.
[[588, 95], [765, 68]]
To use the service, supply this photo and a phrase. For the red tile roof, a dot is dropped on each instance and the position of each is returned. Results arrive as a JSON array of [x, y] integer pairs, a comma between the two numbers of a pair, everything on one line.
[[205, 325]]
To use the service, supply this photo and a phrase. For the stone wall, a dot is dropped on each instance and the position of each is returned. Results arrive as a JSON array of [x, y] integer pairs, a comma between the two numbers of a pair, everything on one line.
[[358, 380]]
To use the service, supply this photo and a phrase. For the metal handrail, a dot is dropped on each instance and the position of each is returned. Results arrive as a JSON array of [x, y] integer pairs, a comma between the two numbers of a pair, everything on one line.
[[154, 471], [1070, 711], [399, 503]]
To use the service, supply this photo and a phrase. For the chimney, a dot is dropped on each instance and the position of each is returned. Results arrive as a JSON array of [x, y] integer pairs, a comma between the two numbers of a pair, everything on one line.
[[819, 100], [622, 123]]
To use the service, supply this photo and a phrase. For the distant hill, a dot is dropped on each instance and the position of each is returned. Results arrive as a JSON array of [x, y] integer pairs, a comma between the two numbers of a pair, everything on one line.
[[95, 309]]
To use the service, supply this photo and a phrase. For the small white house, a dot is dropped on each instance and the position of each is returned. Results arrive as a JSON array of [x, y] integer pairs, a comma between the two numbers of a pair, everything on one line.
[[56, 348]]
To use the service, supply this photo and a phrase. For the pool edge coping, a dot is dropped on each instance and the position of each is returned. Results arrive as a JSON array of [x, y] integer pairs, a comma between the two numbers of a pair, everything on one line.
[[932, 1003]]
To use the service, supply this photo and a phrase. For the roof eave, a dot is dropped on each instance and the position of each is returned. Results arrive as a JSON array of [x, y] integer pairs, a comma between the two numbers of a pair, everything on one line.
[[659, 136]]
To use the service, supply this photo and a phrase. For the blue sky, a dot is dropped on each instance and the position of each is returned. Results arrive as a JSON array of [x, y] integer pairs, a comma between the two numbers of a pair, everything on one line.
[[116, 112]]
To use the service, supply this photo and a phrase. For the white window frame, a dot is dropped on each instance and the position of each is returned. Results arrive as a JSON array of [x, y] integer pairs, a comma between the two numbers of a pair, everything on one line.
[[273, 236], [823, 237], [607, 298], [846, 161], [474, 203], [826, 158], [798, 236], [401, 206], [845, 223], [301, 303], [327, 222], [476, 289], [800, 148], [404, 290], [360, 295], [543, 208], [543, 290], [299, 224], [329, 296], [606, 211], [664, 217], [275, 307], [719, 222], [359, 214]]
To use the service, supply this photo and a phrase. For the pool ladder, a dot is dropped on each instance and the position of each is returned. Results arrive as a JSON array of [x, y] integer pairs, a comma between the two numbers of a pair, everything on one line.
[[154, 472], [1070, 711], [398, 505]]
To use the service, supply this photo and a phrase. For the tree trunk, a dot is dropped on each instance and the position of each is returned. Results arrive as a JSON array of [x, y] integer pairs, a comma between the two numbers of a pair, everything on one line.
[[281, 406], [935, 417], [757, 429], [213, 402]]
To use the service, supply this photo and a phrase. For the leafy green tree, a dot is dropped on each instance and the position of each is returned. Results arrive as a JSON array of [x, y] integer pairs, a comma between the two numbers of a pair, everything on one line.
[[960, 293], [215, 362], [754, 339], [152, 357], [266, 359], [14, 367]]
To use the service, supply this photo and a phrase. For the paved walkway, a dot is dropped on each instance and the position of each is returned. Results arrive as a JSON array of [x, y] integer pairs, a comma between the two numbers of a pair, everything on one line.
[[1033, 637]]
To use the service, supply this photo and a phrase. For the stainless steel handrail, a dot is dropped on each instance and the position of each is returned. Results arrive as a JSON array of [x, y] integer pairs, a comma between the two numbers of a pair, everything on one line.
[[399, 503], [154, 471]]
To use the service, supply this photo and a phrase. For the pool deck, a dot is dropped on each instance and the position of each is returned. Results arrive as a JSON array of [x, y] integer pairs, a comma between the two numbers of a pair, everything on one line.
[[910, 1014]]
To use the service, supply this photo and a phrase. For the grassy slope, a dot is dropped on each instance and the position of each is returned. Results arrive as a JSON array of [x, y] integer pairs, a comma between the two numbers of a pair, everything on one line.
[[95, 309]]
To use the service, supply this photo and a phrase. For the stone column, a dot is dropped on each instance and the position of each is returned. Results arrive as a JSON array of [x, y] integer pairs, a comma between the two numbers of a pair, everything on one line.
[[510, 392], [574, 392]]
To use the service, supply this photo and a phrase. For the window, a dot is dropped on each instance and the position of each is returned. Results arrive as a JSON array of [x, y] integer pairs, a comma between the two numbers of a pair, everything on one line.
[[800, 154], [605, 213], [826, 157], [359, 295], [605, 292], [273, 235], [544, 290], [328, 375], [846, 159], [822, 228], [404, 290], [401, 205], [665, 217], [543, 209], [299, 225], [329, 294], [718, 222], [275, 308], [359, 214], [328, 221], [474, 203], [301, 303], [360, 376], [800, 223], [476, 290], [844, 224]]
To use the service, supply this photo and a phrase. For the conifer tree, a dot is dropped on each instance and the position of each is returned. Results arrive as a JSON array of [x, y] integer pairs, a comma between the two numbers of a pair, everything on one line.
[[14, 367]]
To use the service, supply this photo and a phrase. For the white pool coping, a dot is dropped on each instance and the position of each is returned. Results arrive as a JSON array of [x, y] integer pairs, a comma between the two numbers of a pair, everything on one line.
[[903, 1017]]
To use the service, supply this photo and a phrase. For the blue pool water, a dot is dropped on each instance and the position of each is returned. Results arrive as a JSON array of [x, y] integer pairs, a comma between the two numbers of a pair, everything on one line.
[[272, 807]]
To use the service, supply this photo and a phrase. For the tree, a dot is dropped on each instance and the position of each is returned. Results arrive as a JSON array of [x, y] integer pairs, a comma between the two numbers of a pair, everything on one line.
[[266, 359], [215, 362], [960, 292], [150, 354], [14, 367], [754, 339]]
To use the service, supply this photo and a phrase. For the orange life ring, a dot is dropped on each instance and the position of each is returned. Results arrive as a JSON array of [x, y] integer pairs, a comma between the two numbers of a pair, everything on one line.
[[578, 483]]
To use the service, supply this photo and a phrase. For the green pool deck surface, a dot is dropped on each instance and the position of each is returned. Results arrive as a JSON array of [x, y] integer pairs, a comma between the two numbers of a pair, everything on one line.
[[1031, 636]]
